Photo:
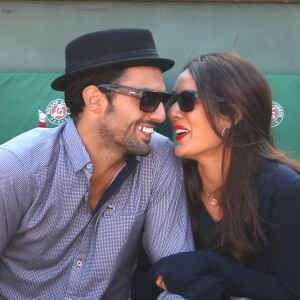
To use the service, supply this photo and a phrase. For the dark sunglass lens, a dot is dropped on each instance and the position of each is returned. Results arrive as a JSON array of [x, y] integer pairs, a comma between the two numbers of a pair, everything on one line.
[[150, 101], [187, 101], [167, 99], [172, 98]]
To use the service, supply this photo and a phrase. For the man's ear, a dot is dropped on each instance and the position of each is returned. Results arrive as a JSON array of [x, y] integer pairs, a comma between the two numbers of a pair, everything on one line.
[[94, 99]]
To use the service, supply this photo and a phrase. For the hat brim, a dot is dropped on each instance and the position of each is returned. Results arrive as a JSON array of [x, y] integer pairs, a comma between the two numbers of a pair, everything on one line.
[[60, 83]]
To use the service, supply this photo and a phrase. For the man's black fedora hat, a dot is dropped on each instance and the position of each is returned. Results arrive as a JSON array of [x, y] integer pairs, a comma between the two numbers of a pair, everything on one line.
[[107, 50]]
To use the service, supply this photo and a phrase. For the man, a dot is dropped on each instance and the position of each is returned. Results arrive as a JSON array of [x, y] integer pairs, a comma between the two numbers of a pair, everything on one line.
[[77, 201]]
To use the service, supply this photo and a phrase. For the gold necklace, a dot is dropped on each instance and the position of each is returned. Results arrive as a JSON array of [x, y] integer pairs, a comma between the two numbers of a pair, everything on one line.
[[213, 201]]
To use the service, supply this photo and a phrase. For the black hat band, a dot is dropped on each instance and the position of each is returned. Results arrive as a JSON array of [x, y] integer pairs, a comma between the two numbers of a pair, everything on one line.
[[107, 58]]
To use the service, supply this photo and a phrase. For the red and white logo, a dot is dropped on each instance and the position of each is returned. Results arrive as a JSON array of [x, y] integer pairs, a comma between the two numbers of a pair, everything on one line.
[[57, 112], [277, 114]]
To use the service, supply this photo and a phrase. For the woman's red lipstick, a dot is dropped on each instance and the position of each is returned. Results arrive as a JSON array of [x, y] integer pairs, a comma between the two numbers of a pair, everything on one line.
[[181, 132]]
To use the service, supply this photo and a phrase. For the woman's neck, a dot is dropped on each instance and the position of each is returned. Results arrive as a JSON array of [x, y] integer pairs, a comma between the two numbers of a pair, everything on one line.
[[211, 171]]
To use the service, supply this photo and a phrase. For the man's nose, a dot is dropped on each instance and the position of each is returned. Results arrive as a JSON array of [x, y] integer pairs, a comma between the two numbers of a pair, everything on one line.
[[159, 115]]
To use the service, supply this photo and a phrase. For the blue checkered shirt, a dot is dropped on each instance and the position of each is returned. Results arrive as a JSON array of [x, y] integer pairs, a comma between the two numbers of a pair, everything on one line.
[[52, 246]]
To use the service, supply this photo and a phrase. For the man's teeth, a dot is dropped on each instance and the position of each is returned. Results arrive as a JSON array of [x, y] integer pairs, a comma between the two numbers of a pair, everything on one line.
[[147, 130], [179, 131]]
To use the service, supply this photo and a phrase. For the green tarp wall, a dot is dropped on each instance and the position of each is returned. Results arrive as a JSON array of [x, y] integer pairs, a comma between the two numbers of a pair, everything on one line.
[[23, 94]]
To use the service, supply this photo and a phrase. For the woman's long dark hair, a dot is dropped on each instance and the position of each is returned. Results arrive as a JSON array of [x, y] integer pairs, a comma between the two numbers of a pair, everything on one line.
[[249, 138]]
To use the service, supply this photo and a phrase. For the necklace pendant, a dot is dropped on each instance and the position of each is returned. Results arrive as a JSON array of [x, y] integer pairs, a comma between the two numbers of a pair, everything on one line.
[[213, 201]]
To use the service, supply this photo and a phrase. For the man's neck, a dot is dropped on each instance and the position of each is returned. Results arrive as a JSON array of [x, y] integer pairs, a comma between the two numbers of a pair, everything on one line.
[[106, 163]]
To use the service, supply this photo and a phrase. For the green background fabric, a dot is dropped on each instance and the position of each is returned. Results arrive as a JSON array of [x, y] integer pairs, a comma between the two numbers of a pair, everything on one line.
[[23, 94], [286, 92]]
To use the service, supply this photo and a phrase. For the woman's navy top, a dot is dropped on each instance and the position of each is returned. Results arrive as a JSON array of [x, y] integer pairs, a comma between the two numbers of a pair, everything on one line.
[[272, 274]]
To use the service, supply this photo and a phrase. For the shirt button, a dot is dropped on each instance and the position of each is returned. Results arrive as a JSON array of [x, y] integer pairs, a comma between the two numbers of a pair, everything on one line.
[[89, 165], [79, 263]]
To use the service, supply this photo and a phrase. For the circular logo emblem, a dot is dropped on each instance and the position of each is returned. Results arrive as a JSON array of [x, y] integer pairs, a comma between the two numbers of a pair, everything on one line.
[[57, 112], [277, 114]]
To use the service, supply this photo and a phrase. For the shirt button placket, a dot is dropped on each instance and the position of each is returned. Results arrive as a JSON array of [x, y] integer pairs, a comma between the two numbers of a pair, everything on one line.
[[78, 264]]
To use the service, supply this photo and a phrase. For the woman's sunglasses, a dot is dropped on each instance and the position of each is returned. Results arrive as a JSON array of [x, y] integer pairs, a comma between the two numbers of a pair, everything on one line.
[[150, 100], [186, 100]]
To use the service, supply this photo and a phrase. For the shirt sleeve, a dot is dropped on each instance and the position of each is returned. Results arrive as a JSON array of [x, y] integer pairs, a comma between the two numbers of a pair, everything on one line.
[[13, 188], [167, 227], [169, 296]]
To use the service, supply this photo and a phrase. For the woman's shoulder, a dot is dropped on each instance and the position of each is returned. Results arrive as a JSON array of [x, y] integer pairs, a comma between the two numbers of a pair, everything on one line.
[[279, 190], [274, 173]]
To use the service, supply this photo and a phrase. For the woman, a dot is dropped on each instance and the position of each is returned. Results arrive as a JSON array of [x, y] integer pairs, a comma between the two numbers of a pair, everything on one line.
[[243, 193]]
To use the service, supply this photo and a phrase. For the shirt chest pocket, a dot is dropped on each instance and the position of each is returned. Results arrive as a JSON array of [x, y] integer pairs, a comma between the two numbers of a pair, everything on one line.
[[123, 219], [119, 231]]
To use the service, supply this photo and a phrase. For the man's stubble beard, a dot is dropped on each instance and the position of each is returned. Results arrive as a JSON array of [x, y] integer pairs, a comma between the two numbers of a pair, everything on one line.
[[126, 144]]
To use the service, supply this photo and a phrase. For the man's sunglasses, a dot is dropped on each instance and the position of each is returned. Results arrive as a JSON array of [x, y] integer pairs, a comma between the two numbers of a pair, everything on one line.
[[150, 100], [186, 100]]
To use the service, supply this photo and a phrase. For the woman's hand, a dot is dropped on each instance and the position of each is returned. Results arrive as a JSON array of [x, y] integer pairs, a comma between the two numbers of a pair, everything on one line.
[[160, 283]]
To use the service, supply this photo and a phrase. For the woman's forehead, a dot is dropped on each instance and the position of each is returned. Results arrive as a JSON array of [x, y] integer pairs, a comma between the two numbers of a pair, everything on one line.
[[185, 81]]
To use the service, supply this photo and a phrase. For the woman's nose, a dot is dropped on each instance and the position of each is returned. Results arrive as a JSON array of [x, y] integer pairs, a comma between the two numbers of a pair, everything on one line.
[[174, 111]]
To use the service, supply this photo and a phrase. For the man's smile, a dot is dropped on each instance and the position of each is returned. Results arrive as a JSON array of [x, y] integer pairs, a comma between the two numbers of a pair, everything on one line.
[[146, 130]]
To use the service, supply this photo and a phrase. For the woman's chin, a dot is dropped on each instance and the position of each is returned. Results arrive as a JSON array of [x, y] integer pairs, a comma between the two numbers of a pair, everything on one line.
[[181, 152]]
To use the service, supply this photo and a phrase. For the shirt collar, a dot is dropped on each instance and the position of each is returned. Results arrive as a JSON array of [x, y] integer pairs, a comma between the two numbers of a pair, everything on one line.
[[75, 147], [76, 150]]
